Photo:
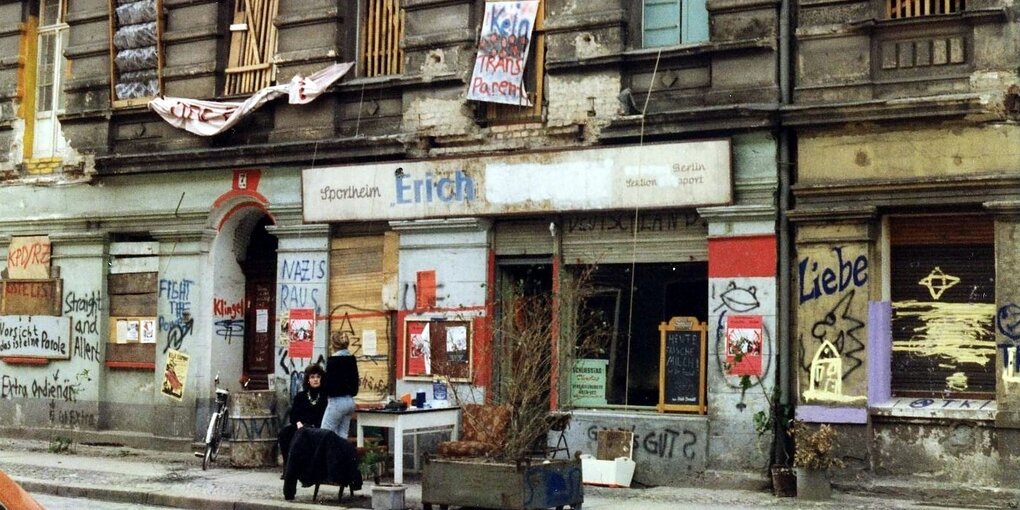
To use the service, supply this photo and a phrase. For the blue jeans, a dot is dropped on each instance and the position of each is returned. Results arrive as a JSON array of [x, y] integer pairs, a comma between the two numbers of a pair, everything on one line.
[[337, 418]]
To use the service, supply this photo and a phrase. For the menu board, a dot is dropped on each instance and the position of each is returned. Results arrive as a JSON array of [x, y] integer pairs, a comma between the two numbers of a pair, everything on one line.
[[682, 363]]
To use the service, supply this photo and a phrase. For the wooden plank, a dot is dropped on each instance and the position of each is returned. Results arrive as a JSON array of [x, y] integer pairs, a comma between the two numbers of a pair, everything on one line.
[[247, 68], [132, 283], [131, 353], [133, 304]]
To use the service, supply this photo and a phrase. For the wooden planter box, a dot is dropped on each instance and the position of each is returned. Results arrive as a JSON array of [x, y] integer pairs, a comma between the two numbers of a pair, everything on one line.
[[486, 484]]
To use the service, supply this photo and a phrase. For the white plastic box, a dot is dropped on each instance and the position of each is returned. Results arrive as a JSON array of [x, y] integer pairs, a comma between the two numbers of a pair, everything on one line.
[[610, 473]]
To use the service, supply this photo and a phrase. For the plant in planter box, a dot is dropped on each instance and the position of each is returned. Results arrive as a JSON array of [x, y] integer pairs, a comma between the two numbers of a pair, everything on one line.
[[814, 455], [535, 332]]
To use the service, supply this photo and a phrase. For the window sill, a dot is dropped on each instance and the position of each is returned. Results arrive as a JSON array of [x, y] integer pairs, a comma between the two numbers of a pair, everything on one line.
[[17, 360], [938, 408], [130, 365]]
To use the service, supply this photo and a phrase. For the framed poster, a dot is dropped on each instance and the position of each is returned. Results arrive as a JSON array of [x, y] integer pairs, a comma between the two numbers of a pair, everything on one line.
[[437, 347]]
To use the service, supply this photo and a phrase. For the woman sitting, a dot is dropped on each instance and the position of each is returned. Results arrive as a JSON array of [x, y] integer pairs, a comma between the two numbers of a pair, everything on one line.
[[307, 409]]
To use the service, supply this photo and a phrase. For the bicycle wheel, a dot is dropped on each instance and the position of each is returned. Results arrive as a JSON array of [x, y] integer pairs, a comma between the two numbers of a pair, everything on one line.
[[217, 435], [207, 458]]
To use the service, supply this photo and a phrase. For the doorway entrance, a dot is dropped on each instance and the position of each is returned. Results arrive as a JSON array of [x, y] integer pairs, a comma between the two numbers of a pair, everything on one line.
[[259, 268]]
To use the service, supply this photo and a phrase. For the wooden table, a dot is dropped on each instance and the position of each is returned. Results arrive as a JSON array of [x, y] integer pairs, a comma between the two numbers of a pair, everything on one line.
[[412, 420]]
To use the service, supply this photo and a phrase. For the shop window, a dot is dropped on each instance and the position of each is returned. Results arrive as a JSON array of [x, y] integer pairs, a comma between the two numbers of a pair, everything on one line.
[[135, 51], [252, 46], [534, 82], [382, 32], [628, 304], [943, 306], [132, 287], [673, 22], [898, 9]]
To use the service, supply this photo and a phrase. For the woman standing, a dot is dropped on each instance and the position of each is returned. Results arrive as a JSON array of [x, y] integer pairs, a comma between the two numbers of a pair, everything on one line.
[[307, 408], [341, 387]]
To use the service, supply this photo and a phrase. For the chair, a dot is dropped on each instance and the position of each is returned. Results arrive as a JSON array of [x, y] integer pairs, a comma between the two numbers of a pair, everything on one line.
[[483, 431]]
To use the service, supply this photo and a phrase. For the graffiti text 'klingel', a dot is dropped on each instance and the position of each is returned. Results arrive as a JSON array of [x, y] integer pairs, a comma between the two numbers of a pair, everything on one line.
[[855, 272], [460, 188]]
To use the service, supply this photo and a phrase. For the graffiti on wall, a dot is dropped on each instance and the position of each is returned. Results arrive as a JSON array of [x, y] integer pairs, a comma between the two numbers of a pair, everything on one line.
[[738, 297], [178, 323], [950, 332], [300, 280], [664, 443], [85, 309], [228, 320], [831, 336], [53, 386]]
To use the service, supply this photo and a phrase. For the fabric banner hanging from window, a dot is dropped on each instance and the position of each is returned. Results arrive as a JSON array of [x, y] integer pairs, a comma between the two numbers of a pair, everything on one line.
[[503, 47], [208, 118]]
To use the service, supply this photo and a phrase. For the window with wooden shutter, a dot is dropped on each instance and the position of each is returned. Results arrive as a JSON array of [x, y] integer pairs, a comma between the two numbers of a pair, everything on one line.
[[534, 81], [252, 46], [942, 271], [382, 33], [673, 22]]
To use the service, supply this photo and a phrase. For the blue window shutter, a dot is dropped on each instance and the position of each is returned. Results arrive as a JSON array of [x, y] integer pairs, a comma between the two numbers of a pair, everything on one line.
[[661, 23], [694, 25]]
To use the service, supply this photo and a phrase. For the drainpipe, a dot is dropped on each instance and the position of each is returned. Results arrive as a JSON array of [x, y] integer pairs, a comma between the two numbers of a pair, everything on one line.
[[786, 169]]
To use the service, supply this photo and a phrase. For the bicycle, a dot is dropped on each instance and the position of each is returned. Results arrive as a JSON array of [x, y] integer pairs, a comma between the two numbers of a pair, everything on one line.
[[216, 430]]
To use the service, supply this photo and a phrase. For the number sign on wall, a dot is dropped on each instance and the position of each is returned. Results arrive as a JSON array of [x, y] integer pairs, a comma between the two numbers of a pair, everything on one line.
[[682, 361]]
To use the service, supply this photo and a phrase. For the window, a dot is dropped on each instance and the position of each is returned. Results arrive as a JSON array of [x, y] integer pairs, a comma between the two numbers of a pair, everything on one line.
[[50, 68], [943, 306], [897, 9], [381, 55], [135, 51], [252, 46], [132, 288], [673, 22], [629, 310], [534, 80]]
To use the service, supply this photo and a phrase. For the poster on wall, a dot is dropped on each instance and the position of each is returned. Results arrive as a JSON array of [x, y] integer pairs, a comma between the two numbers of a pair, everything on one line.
[[744, 334], [301, 332], [588, 382], [419, 352], [28, 258], [148, 331], [35, 336], [503, 48], [175, 374]]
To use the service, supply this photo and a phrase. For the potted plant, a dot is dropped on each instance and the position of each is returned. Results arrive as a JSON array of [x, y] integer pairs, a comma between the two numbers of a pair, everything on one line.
[[813, 458], [774, 421], [516, 473]]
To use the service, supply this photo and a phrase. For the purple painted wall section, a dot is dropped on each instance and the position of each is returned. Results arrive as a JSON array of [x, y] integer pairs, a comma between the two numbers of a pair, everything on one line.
[[879, 352], [823, 414]]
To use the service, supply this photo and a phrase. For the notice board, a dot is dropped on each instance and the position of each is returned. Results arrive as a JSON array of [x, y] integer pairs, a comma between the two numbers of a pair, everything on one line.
[[682, 365]]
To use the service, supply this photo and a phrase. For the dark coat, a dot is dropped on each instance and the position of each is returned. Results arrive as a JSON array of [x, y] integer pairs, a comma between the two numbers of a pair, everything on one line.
[[319, 456], [341, 376], [302, 410]]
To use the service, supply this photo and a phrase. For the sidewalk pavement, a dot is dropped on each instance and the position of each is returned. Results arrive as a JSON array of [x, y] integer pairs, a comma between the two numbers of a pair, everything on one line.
[[172, 479]]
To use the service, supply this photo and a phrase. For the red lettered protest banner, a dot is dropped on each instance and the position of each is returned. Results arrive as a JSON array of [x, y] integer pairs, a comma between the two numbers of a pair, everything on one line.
[[503, 48]]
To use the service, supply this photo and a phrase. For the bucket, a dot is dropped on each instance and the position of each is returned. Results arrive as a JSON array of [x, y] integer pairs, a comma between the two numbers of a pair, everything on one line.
[[388, 497], [784, 482], [253, 428]]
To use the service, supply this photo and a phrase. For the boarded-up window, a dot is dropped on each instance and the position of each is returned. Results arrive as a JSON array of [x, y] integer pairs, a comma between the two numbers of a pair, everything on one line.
[[896, 9], [360, 267], [252, 45], [382, 33], [132, 287], [943, 303], [135, 33]]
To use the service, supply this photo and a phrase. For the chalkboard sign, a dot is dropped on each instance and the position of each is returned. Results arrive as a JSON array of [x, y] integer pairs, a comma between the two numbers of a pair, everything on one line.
[[682, 361]]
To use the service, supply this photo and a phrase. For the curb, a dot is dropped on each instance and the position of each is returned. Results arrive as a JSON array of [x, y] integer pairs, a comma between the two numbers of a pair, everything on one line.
[[156, 498]]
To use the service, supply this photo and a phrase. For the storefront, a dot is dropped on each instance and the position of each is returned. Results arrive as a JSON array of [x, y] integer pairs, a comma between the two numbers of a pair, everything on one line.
[[656, 228]]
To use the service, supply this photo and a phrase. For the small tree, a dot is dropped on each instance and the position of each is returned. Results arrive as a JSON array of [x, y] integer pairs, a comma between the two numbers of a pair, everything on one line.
[[537, 332]]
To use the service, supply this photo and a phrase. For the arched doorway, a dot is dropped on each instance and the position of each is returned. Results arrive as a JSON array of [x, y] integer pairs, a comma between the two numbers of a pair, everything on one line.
[[259, 268]]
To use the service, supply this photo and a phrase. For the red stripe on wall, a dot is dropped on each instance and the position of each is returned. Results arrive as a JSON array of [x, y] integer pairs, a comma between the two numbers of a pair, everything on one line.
[[742, 256]]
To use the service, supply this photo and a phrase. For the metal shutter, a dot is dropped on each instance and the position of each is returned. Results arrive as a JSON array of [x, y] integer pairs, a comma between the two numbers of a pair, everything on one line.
[[609, 238], [943, 299], [523, 237]]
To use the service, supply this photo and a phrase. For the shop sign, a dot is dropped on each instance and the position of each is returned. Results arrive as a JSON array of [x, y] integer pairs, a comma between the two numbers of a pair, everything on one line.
[[652, 176]]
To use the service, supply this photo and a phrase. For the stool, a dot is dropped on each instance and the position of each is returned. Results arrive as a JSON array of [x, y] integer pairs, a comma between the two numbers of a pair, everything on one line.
[[558, 422]]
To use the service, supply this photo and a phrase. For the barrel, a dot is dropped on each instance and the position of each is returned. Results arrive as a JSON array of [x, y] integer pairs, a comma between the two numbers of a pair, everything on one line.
[[253, 428]]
